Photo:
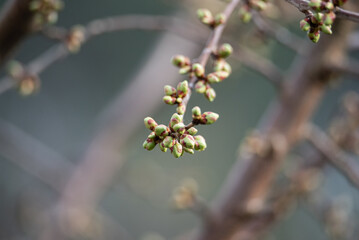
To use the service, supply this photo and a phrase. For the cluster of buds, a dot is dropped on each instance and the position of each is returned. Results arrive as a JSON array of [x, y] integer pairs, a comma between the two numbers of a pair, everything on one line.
[[206, 17], [221, 71], [46, 11], [175, 96], [185, 195], [27, 83], [245, 10], [178, 137], [321, 20], [75, 38]]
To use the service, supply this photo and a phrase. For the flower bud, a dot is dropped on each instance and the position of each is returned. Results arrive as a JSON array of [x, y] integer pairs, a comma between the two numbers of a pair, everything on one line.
[[180, 128], [315, 4], [169, 100], [222, 65], [184, 70], [326, 29], [219, 19], [192, 131], [28, 85], [149, 144], [181, 109], [163, 148], [258, 5], [329, 18], [339, 3], [210, 94], [169, 90], [175, 119], [179, 100], [317, 18], [305, 25], [196, 113], [205, 16], [187, 141], [168, 142], [190, 151], [180, 61], [177, 150], [182, 89], [244, 14], [200, 143], [222, 75], [212, 78], [329, 6], [198, 70], [162, 131], [200, 86], [152, 136], [314, 36], [150, 123], [209, 118], [225, 50]]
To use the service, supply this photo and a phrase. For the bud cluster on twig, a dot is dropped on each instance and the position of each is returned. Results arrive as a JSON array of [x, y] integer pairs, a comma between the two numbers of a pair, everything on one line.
[[46, 11], [177, 136], [75, 38], [27, 83], [245, 10], [206, 17], [320, 18]]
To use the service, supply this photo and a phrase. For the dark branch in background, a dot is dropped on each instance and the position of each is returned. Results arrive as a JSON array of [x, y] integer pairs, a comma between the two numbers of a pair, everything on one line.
[[349, 67], [15, 24], [302, 5], [334, 154]]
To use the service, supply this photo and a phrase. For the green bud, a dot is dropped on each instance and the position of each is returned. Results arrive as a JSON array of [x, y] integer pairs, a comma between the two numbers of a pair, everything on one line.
[[329, 6], [200, 86], [192, 131], [175, 119], [182, 89], [152, 136], [314, 36], [15, 69], [149, 144], [222, 65], [181, 109], [315, 4], [180, 128], [258, 5], [177, 150], [190, 151], [225, 50], [198, 70], [169, 90], [222, 75], [212, 78], [169, 100], [187, 141], [179, 100], [210, 94], [184, 70], [339, 3], [205, 16], [162, 131], [180, 61], [150, 123], [209, 118], [196, 113], [200, 143], [219, 19], [317, 18], [326, 29], [244, 14], [304, 25], [163, 148], [329, 18], [168, 142]]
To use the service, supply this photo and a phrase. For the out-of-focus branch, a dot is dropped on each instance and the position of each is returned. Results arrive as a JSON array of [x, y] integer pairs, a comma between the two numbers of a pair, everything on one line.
[[341, 161], [15, 24], [349, 67], [279, 33], [302, 5]]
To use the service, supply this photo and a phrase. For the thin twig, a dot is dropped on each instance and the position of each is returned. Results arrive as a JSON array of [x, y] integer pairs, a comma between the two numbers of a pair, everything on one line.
[[332, 152], [303, 5]]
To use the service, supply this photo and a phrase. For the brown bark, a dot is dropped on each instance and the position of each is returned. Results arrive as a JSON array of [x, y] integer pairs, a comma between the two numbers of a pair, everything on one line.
[[15, 25], [244, 193]]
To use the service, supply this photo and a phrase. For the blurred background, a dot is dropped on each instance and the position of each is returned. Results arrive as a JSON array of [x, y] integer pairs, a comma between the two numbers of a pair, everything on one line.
[[82, 116]]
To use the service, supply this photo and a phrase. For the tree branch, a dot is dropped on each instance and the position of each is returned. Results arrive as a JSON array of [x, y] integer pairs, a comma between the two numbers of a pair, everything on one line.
[[334, 154], [15, 24]]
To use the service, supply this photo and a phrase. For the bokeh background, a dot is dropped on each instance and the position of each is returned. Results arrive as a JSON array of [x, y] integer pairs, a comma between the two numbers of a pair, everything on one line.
[[72, 106]]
